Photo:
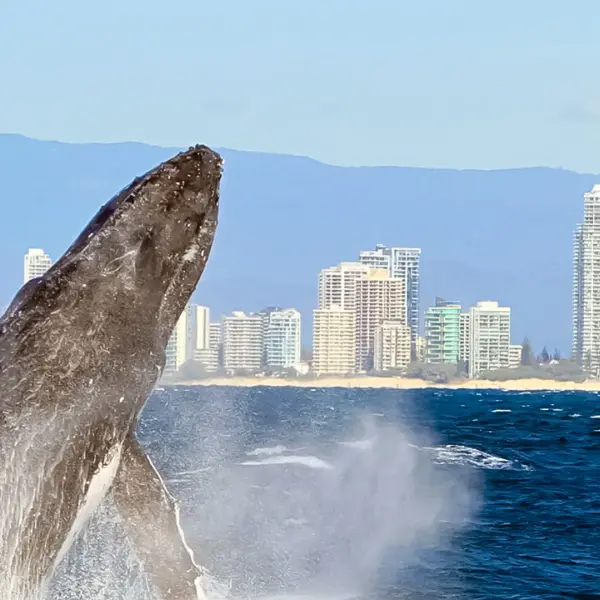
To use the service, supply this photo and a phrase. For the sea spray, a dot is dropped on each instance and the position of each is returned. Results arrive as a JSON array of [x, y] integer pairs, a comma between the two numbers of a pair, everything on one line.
[[283, 524]]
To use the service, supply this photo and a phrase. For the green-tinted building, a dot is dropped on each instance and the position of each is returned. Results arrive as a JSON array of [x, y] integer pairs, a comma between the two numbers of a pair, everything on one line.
[[442, 332]]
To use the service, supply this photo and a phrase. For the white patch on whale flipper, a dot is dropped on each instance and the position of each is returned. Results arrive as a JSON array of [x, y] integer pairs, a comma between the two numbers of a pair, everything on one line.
[[97, 490]]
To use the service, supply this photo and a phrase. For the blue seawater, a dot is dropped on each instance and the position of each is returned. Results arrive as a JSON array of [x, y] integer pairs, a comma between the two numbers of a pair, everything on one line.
[[348, 493]]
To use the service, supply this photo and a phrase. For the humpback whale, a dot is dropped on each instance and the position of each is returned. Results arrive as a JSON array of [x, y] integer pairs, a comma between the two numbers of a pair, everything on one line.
[[81, 349]]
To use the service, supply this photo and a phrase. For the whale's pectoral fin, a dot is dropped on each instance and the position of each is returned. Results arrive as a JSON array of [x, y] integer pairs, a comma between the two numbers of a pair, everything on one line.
[[150, 516]]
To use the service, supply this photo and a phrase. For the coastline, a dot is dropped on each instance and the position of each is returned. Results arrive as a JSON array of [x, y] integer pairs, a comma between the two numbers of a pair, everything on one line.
[[397, 383]]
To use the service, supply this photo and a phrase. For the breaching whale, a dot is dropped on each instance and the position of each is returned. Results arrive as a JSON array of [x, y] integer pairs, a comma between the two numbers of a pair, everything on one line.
[[81, 349]]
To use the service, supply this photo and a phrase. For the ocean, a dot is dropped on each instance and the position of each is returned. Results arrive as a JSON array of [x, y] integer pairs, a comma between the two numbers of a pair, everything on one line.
[[374, 494]]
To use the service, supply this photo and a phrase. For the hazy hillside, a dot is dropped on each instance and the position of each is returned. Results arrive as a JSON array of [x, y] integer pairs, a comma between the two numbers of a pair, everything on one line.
[[502, 235]]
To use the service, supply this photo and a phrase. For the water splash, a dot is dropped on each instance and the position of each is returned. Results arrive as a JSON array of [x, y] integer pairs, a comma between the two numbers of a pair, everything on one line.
[[278, 528]]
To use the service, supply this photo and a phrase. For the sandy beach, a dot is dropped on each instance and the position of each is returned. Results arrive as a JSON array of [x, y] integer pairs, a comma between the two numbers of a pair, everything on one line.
[[400, 383]]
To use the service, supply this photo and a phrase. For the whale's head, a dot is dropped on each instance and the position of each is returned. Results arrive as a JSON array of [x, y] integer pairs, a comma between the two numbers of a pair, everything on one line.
[[128, 276], [149, 245]]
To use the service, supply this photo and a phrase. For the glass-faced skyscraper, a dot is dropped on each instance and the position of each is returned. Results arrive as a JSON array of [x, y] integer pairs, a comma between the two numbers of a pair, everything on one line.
[[442, 332], [586, 285]]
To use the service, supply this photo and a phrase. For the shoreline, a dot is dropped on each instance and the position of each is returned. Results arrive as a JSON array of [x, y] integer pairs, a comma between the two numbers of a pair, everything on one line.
[[396, 383]]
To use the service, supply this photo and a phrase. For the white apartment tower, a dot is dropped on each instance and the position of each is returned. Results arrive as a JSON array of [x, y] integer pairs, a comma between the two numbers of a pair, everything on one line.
[[175, 352], [190, 334], [202, 324], [214, 335], [377, 259], [464, 346], [392, 346], [489, 339], [282, 338], [334, 341], [36, 263], [586, 285], [379, 298], [405, 264], [243, 337], [210, 356], [337, 285], [515, 355], [420, 348]]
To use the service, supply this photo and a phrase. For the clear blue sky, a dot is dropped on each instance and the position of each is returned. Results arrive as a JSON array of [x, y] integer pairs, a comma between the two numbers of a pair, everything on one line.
[[457, 83]]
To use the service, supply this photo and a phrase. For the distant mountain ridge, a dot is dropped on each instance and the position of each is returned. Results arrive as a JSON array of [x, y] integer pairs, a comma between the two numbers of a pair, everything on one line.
[[503, 235]]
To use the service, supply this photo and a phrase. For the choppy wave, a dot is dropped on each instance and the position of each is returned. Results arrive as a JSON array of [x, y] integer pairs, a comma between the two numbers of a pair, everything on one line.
[[455, 455], [353, 493], [465, 456]]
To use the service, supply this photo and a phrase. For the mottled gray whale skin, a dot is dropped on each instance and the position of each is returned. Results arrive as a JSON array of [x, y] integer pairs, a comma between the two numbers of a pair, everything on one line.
[[81, 348]]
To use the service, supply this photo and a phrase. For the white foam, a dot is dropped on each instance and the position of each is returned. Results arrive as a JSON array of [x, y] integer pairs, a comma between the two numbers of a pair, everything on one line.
[[575, 415], [311, 462], [502, 410], [268, 451], [595, 417], [464, 455], [359, 444]]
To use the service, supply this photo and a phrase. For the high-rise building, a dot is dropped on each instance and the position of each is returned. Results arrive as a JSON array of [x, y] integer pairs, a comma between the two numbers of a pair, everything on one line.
[[379, 298], [392, 346], [586, 285], [465, 338], [337, 285], [189, 335], [214, 335], [36, 263], [489, 337], [282, 338], [442, 332], [379, 258], [243, 338], [403, 263], [515, 353], [420, 349], [202, 324], [334, 341], [171, 362], [175, 353], [211, 356]]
